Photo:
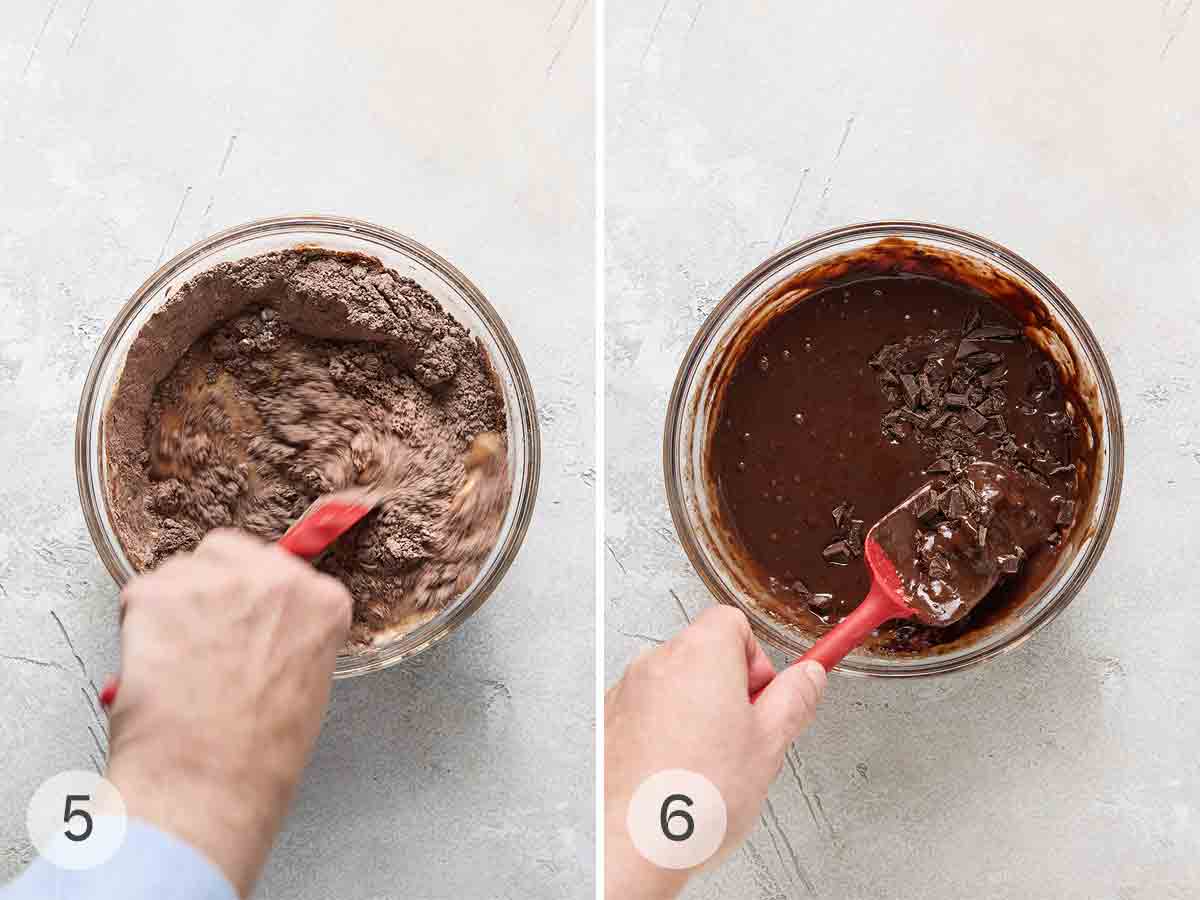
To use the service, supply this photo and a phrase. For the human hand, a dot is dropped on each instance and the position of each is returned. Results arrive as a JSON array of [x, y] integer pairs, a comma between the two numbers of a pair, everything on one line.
[[685, 705], [226, 659]]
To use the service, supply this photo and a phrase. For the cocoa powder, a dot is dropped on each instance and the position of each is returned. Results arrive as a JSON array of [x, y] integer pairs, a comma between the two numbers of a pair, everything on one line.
[[265, 383]]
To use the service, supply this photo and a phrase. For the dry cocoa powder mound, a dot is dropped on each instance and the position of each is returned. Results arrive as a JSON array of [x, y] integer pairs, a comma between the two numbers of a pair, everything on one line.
[[264, 383]]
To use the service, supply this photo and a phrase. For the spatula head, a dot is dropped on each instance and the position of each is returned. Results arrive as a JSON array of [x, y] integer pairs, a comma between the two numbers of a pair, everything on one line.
[[886, 575], [948, 544], [327, 519]]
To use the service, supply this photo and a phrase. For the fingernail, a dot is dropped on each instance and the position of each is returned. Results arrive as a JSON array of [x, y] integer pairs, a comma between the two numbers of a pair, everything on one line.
[[816, 674]]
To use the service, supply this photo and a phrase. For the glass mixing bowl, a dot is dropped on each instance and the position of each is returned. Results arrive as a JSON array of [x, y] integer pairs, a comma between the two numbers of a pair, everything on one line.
[[451, 288], [695, 399]]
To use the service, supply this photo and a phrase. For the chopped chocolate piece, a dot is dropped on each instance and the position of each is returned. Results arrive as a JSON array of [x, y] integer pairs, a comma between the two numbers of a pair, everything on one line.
[[973, 420], [940, 421], [1068, 469], [925, 505], [985, 360], [843, 513], [975, 395], [916, 418], [912, 391], [956, 401], [981, 537], [855, 537], [1047, 465], [994, 333], [939, 567], [1032, 474], [1043, 381], [927, 392], [923, 542], [820, 603], [993, 378], [1059, 421], [952, 504], [837, 554], [967, 349], [801, 589], [1066, 513], [1009, 564], [940, 466], [969, 495], [974, 319]]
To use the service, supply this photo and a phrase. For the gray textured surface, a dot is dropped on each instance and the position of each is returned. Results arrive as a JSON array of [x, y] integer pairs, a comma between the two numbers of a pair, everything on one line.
[[1069, 132], [130, 129]]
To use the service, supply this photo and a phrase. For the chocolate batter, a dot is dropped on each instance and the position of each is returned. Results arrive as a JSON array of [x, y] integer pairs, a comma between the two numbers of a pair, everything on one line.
[[845, 403], [267, 382]]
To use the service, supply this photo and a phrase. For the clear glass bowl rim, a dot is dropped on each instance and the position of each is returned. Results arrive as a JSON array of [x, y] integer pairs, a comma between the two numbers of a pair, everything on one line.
[[765, 274], [523, 421]]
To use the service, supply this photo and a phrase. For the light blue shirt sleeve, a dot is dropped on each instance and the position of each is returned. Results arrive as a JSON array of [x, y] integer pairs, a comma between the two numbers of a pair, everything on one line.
[[150, 865]]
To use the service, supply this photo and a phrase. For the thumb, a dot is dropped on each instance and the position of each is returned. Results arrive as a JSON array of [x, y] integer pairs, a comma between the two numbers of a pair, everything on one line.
[[789, 703]]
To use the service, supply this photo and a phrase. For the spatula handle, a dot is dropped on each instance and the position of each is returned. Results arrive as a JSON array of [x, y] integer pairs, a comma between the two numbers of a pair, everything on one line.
[[879, 606], [831, 648]]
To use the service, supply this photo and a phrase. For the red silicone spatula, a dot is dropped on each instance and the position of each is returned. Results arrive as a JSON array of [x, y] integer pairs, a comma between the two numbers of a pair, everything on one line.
[[326, 520], [979, 524], [886, 600]]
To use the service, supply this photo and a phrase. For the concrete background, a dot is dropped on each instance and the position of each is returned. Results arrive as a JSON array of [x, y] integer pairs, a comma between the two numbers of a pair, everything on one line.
[[1070, 132], [128, 130]]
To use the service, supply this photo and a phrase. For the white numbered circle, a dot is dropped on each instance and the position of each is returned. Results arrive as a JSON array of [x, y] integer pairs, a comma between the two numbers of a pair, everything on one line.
[[677, 819], [77, 820]]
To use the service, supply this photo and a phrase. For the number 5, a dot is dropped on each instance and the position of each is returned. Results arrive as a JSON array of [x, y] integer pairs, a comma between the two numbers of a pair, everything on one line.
[[69, 814]]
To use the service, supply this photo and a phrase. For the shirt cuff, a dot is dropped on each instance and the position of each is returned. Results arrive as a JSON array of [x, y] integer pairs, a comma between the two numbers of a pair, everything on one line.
[[150, 865]]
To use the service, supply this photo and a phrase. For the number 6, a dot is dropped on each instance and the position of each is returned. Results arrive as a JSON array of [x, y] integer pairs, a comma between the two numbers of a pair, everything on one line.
[[664, 818]]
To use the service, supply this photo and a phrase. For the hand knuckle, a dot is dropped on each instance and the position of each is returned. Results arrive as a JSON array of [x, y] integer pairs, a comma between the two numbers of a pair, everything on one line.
[[135, 592], [731, 617], [336, 597], [244, 541], [653, 665], [325, 592], [222, 542], [722, 618]]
